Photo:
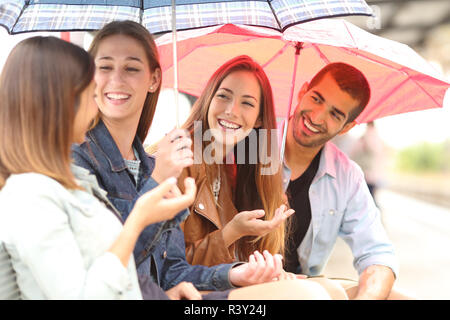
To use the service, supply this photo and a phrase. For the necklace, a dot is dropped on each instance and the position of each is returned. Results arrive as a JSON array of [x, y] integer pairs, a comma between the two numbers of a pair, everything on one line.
[[216, 187]]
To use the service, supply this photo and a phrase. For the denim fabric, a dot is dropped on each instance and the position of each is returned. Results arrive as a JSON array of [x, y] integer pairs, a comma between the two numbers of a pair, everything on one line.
[[160, 250]]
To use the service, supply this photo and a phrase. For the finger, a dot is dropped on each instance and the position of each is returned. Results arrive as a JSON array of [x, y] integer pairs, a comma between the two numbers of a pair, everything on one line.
[[176, 134], [301, 276], [189, 292], [278, 259], [162, 189], [260, 267], [182, 143], [254, 214], [190, 188], [270, 265], [175, 192]]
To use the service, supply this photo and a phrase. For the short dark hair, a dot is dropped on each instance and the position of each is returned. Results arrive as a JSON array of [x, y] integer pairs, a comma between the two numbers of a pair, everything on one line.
[[350, 80]]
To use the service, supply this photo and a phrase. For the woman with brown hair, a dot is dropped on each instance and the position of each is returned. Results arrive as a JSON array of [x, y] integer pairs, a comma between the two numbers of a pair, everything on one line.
[[55, 221], [239, 206]]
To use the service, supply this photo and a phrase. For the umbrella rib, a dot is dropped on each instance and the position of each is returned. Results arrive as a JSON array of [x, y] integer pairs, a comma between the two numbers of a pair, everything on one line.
[[274, 14], [276, 55], [27, 3], [320, 53]]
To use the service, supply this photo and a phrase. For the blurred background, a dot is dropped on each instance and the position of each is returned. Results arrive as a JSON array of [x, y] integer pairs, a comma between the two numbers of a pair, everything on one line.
[[406, 158]]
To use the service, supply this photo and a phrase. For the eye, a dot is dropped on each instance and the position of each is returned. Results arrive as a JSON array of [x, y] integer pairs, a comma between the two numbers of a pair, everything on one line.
[[105, 68], [316, 99], [335, 115], [222, 96], [249, 104], [132, 69]]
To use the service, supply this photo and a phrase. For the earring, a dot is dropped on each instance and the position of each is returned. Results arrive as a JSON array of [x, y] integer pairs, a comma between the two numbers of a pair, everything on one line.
[[151, 88]]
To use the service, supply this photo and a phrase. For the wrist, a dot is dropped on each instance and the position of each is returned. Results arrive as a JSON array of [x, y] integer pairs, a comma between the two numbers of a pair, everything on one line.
[[229, 234]]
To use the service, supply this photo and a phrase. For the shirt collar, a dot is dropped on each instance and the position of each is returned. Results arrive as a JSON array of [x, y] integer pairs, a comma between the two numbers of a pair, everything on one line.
[[103, 139]]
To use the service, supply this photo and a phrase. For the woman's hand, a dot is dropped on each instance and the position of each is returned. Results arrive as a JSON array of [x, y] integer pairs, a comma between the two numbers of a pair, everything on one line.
[[163, 202], [259, 269], [248, 223], [184, 291], [173, 155]]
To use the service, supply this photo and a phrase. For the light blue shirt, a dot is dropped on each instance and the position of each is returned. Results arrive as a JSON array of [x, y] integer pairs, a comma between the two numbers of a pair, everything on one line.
[[341, 205]]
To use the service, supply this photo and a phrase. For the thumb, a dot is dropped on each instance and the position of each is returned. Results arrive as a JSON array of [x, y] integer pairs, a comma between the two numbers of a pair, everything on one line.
[[255, 214]]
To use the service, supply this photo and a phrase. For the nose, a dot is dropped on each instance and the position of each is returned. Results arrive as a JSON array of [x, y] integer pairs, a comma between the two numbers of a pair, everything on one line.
[[116, 76], [317, 115], [232, 108]]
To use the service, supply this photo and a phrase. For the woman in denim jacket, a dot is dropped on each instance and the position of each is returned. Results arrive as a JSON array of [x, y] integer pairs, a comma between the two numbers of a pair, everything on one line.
[[55, 222]]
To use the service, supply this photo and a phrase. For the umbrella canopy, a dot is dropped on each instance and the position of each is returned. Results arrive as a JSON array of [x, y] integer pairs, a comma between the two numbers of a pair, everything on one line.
[[400, 79], [84, 15]]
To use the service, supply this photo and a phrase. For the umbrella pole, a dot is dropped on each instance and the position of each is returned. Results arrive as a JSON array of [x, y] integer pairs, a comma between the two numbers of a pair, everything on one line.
[[175, 61], [298, 47]]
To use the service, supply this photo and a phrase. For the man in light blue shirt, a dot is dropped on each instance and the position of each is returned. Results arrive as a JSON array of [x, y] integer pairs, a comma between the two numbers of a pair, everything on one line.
[[335, 200]]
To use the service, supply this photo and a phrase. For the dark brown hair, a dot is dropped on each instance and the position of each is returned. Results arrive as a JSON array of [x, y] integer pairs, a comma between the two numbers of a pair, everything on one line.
[[350, 80], [144, 37]]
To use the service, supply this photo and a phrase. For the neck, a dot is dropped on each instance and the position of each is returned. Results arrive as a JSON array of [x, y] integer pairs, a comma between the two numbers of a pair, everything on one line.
[[123, 134], [298, 157]]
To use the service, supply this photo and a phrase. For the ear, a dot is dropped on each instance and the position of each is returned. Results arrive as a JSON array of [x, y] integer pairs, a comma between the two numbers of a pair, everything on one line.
[[347, 127], [155, 80], [302, 91], [258, 123]]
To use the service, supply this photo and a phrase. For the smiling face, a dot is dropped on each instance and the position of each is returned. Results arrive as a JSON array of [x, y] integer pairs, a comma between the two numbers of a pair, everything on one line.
[[123, 78], [322, 113], [234, 109]]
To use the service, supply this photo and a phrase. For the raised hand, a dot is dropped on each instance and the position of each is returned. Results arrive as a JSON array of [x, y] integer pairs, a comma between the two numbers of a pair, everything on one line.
[[249, 223], [173, 155]]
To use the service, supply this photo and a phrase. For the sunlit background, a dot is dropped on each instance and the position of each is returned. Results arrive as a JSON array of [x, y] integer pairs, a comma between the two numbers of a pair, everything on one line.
[[415, 182]]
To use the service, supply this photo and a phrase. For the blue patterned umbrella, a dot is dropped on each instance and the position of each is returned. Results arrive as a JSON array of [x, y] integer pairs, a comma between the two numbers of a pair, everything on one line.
[[84, 15]]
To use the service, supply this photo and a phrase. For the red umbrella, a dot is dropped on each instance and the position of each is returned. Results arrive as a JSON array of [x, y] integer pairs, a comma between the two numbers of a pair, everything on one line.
[[400, 79]]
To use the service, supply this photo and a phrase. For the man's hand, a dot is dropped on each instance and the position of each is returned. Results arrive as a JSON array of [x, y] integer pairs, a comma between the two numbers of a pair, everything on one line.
[[375, 283], [184, 291], [260, 268]]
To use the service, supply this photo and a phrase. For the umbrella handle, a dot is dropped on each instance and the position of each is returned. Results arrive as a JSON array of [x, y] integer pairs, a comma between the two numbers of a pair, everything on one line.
[[298, 47], [175, 62]]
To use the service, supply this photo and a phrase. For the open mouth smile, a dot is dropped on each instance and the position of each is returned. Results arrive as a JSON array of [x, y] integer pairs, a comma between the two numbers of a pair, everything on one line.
[[227, 125]]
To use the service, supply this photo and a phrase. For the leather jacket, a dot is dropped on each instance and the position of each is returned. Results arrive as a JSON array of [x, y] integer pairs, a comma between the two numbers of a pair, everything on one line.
[[203, 227]]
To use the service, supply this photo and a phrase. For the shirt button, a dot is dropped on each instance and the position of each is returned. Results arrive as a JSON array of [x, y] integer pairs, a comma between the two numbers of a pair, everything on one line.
[[201, 206], [331, 211]]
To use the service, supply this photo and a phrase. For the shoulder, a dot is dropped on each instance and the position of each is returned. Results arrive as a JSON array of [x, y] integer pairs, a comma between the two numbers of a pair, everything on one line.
[[344, 166], [29, 190]]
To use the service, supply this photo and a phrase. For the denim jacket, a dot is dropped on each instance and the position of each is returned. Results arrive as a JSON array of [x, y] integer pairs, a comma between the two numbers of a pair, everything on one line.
[[160, 249]]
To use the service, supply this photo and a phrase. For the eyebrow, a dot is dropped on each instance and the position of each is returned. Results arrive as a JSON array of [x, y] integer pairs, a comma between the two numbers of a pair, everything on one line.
[[333, 107], [245, 95], [127, 58]]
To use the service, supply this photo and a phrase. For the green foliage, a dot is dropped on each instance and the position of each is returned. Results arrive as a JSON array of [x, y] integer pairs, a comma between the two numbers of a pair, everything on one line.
[[425, 157]]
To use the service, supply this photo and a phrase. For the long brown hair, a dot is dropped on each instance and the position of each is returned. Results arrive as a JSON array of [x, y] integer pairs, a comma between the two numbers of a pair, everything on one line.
[[40, 88], [143, 36], [252, 190]]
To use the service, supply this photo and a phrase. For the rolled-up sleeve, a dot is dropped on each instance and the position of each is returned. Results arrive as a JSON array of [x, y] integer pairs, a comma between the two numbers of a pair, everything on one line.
[[363, 230]]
